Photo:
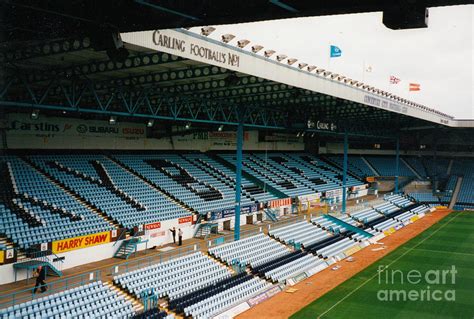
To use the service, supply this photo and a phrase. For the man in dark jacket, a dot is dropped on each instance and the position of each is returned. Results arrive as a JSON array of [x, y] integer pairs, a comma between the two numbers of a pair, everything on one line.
[[173, 233], [40, 279]]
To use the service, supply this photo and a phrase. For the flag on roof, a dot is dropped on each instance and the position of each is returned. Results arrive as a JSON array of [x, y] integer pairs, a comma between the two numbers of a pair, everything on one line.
[[335, 51], [394, 80], [414, 87]]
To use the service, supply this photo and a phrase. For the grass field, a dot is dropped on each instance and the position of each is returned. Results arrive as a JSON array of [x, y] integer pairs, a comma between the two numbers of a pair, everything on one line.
[[395, 292]]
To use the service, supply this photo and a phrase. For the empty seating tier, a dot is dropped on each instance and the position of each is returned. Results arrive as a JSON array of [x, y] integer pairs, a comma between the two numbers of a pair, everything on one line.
[[94, 300]]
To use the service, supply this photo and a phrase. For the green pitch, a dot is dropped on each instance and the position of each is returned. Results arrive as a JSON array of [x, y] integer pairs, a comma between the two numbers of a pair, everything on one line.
[[431, 276]]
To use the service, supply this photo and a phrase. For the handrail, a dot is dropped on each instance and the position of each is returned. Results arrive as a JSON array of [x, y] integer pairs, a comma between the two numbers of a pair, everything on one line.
[[53, 287], [123, 234]]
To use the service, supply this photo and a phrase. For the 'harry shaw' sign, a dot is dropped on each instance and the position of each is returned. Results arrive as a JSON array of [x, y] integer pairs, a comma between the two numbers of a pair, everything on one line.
[[166, 41]]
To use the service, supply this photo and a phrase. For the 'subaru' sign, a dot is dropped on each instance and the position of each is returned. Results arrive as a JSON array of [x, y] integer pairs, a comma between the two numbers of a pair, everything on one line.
[[61, 246]]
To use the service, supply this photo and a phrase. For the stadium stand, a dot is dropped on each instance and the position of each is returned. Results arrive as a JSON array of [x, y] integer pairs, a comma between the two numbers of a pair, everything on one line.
[[172, 278], [37, 211], [386, 166], [355, 164], [94, 300], [302, 232], [190, 184], [293, 174], [417, 164], [254, 251]]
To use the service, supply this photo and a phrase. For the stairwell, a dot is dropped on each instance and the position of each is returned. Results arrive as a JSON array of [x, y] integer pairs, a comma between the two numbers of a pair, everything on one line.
[[454, 198], [72, 193], [370, 166]]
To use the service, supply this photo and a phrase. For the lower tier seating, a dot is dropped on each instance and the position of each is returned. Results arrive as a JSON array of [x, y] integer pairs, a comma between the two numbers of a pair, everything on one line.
[[93, 300], [254, 251]]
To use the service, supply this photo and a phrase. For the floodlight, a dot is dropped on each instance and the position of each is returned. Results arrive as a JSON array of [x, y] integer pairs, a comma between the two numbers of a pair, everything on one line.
[[35, 114], [256, 48], [302, 65], [281, 57], [220, 128], [113, 120], [242, 43], [207, 30], [269, 53], [150, 123], [226, 38], [188, 126], [291, 61], [311, 68]]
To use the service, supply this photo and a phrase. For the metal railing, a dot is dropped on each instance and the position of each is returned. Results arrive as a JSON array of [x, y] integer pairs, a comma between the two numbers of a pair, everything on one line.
[[24, 295]]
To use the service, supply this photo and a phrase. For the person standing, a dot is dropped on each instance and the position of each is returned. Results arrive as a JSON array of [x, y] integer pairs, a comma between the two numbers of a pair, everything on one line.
[[180, 237], [40, 279], [173, 232]]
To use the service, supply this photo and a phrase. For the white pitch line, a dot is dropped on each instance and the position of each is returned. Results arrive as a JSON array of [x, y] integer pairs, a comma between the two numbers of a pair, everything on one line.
[[365, 282]]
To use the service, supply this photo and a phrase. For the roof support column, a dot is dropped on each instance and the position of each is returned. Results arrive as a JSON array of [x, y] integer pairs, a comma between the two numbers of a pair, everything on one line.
[[344, 172], [238, 173], [397, 163]]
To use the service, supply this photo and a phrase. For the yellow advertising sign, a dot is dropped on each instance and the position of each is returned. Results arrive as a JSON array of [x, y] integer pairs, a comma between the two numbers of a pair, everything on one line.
[[2, 256], [61, 246]]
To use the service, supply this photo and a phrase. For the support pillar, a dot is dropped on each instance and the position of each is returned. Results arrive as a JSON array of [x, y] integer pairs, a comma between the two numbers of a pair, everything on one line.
[[397, 163], [238, 176], [344, 172]]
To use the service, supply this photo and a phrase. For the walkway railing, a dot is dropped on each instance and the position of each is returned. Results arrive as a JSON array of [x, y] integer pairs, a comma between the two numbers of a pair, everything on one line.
[[20, 296]]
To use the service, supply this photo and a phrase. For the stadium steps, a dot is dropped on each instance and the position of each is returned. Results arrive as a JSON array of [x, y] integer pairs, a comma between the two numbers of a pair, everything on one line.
[[271, 214], [411, 168], [72, 193], [457, 188], [154, 186], [127, 248], [137, 305], [204, 230], [372, 168]]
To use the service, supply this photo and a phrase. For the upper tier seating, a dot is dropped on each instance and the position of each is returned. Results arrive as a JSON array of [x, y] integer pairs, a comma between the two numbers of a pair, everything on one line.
[[93, 300], [61, 214], [292, 174], [174, 278], [425, 198], [417, 164], [213, 167], [254, 251], [355, 164], [119, 201], [386, 166], [465, 168], [185, 180]]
